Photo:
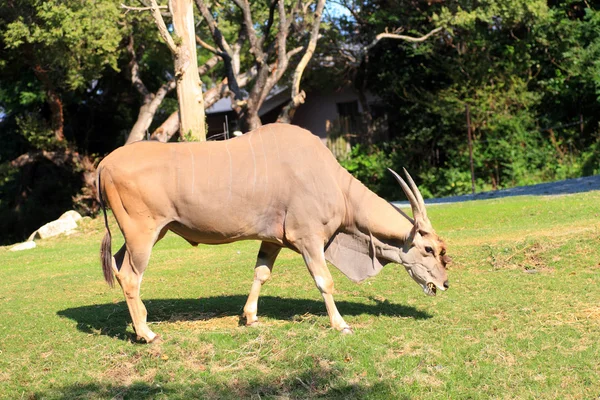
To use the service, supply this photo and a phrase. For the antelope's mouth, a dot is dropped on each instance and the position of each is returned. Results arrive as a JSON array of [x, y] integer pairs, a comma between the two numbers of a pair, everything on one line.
[[430, 289]]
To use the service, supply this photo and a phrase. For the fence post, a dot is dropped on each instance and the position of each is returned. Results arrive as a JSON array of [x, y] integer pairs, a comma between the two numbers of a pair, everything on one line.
[[470, 148]]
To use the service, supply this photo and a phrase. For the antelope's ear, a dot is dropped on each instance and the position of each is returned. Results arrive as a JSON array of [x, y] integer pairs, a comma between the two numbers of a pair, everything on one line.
[[413, 232], [446, 260]]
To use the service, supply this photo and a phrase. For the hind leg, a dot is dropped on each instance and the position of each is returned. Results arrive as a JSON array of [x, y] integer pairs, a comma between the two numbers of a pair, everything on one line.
[[131, 261], [262, 272]]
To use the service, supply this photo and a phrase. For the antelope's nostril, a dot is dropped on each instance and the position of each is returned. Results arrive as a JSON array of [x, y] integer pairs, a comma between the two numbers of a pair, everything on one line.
[[446, 285]]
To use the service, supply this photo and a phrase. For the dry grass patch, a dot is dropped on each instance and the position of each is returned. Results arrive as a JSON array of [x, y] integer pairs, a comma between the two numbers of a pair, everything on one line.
[[126, 370], [424, 379]]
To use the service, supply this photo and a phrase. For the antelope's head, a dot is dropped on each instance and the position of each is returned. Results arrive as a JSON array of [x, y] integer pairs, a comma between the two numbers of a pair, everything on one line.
[[423, 254]]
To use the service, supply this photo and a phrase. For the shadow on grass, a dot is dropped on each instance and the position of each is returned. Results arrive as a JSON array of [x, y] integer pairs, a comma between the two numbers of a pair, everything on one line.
[[112, 319], [312, 383]]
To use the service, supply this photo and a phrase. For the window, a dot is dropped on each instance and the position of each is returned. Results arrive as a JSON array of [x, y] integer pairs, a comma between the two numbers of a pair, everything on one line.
[[348, 109]]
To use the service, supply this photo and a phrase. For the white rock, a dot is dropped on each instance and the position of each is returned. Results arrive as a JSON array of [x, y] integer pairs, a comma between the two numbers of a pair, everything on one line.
[[74, 215], [66, 223], [55, 228], [23, 246]]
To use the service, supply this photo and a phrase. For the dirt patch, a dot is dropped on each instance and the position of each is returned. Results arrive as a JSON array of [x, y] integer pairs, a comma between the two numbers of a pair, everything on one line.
[[208, 322], [124, 372], [530, 256]]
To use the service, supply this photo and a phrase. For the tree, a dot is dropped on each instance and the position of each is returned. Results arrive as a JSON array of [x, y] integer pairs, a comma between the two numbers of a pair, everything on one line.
[[48, 64], [63, 57], [187, 79], [189, 87], [509, 61], [298, 26], [150, 101]]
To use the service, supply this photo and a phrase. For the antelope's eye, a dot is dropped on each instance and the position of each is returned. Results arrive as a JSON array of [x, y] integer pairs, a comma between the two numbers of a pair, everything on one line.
[[429, 249]]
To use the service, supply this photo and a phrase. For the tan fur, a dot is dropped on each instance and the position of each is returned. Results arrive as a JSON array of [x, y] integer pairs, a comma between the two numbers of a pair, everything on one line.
[[277, 184]]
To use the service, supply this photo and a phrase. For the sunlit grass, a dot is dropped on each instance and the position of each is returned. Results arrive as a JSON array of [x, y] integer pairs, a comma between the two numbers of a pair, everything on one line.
[[522, 318]]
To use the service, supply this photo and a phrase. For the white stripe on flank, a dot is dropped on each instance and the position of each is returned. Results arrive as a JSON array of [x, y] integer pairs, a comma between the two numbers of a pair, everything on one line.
[[193, 171], [254, 160], [262, 144], [230, 169]]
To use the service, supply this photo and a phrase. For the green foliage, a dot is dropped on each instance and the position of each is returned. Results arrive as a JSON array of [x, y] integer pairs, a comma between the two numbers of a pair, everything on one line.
[[34, 194], [591, 160], [527, 70], [369, 165], [37, 134], [70, 38]]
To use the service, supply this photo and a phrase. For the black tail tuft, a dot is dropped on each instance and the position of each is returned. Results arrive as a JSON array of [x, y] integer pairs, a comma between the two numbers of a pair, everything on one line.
[[105, 248], [106, 257]]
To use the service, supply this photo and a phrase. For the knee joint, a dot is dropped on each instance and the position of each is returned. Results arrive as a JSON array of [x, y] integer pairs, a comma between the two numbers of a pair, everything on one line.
[[324, 285], [262, 273]]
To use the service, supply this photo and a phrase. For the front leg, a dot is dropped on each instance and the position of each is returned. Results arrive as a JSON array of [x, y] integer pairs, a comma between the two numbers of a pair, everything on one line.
[[314, 258]]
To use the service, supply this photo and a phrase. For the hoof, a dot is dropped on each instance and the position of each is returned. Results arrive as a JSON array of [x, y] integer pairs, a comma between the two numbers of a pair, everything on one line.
[[347, 331], [156, 340], [254, 324]]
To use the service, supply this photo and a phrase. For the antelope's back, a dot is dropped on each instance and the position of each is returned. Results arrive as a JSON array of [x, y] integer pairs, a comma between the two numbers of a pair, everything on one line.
[[239, 188]]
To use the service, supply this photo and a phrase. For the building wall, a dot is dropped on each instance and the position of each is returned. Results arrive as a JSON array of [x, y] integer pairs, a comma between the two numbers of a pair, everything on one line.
[[317, 110], [321, 107]]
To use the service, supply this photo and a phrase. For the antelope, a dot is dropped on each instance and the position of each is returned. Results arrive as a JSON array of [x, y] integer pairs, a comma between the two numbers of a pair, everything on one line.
[[278, 184]]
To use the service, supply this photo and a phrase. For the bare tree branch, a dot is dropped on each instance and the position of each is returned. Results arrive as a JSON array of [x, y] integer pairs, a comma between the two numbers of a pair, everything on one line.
[[162, 27], [295, 51], [255, 43], [134, 68], [226, 52], [267, 29], [281, 43], [130, 8], [207, 46], [386, 35], [208, 65], [168, 128], [214, 29], [160, 23], [297, 96], [148, 110]]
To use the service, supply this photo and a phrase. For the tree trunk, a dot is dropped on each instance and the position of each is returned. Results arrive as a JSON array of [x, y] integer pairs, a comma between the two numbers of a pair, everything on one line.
[[147, 112], [54, 101], [144, 119], [252, 119], [167, 129], [189, 87]]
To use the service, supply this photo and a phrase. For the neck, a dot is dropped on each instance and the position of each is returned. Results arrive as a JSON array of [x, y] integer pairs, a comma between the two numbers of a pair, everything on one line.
[[370, 214]]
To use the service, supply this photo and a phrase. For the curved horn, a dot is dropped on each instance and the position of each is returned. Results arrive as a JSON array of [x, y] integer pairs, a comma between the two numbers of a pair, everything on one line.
[[417, 193], [414, 203]]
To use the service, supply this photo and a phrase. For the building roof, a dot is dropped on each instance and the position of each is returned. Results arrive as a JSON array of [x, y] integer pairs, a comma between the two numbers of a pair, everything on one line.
[[278, 96]]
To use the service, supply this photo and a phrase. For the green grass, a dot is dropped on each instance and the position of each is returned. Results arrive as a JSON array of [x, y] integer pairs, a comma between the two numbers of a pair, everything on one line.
[[521, 320]]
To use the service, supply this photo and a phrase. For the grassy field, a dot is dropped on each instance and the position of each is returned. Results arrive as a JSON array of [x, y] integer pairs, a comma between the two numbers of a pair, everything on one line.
[[521, 320]]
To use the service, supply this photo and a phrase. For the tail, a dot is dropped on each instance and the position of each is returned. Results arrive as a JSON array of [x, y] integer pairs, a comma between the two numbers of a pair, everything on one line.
[[105, 248]]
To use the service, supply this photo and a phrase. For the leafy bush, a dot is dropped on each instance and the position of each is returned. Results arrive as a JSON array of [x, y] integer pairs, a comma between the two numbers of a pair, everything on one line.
[[369, 165], [38, 135]]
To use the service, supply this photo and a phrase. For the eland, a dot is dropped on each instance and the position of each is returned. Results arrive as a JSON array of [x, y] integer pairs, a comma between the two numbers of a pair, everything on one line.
[[277, 184]]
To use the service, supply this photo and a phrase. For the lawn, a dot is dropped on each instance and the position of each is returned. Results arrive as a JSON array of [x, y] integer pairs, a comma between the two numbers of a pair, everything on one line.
[[521, 319]]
